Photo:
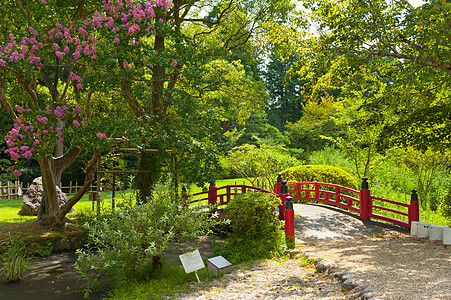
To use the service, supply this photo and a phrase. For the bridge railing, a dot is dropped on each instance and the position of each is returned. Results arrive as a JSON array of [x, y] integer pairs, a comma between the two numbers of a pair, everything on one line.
[[221, 196], [359, 201]]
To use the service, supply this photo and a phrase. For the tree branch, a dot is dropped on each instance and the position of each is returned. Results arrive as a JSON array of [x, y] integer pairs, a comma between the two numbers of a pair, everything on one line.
[[63, 162], [89, 178]]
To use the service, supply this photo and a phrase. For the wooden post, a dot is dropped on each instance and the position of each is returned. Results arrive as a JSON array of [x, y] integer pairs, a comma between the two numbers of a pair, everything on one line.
[[316, 191], [8, 189], [289, 223], [278, 183], [70, 187], [212, 194], [283, 196], [364, 200], [414, 208], [98, 185]]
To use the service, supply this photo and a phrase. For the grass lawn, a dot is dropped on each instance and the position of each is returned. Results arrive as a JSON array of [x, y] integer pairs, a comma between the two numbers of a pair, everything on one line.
[[10, 208]]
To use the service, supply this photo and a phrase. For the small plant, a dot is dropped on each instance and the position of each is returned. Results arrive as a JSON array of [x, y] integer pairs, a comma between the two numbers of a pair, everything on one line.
[[255, 228], [128, 243], [15, 259]]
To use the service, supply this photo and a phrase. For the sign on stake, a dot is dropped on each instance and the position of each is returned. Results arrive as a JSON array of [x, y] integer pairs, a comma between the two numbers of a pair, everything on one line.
[[192, 261]]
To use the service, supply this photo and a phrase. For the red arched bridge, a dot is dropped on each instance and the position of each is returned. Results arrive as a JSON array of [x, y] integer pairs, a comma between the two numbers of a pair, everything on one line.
[[359, 201]]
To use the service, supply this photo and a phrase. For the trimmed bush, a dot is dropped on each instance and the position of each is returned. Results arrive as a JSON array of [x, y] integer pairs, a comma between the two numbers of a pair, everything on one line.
[[320, 173], [255, 228]]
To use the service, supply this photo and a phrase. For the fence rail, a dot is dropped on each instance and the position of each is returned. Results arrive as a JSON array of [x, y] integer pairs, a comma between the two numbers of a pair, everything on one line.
[[14, 190]]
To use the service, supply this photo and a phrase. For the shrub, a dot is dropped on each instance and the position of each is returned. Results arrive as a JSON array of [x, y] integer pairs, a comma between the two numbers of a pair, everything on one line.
[[128, 243], [445, 207], [255, 227], [320, 173]]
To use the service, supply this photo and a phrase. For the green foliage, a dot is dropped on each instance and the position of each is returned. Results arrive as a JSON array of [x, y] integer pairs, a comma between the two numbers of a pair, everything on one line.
[[400, 88], [286, 96], [165, 283], [260, 164], [15, 259], [320, 173], [445, 207], [425, 166], [255, 227], [128, 243], [318, 119], [257, 131]]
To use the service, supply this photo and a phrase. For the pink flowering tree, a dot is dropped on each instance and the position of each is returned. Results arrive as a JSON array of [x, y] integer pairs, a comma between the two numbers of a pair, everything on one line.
[[46, 60]]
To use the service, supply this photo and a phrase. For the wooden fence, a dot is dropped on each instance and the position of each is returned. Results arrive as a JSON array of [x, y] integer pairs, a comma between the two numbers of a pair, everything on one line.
[[14, 190]]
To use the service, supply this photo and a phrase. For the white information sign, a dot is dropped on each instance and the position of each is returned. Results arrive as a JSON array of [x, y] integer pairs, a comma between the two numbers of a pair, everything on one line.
[[192, 261], [219, 262]]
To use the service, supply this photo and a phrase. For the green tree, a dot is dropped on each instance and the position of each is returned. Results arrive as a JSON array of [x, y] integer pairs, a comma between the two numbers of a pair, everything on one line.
[[424, 165], [260, 164], [402, 47], [286, 93]]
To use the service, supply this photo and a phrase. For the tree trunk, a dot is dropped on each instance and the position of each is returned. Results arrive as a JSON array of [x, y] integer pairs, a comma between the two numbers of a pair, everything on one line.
[[49, 187]]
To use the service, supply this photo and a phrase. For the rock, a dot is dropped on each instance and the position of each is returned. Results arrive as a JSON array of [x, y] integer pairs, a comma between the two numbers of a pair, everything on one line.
[[33, 197], [324, 265]]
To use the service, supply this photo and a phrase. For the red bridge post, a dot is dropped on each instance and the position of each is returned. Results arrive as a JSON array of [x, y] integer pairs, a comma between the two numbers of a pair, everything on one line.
[[212, 193], [364, 200], [414, 208], [283, 196], [278, 183], [289, 223]]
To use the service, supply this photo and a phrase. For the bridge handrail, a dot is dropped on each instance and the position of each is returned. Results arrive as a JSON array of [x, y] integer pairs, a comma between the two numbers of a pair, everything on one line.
[[364, 205]]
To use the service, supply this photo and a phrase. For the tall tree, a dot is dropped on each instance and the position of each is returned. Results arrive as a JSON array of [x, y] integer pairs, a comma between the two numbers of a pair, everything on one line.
[[404, 48], [285, 91]]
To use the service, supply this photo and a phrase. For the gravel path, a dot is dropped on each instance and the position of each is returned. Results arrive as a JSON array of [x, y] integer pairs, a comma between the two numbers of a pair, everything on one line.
[[274, 279], [394, 265]]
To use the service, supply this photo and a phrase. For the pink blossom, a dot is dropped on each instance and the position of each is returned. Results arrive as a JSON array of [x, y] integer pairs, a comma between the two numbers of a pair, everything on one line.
[[14, 155], [10, 143], [116, 41], [66, 50], [28, 154], [56, 46], [36, 142], [76, 55], [101, 135], [19, 108], [76, 123], [79, 87], [45, 131], [126, 65], [2, 63], [43, 120], [61, 140], [44, 2], [59, 54], [174, 63], [82, 31], [17, 173]]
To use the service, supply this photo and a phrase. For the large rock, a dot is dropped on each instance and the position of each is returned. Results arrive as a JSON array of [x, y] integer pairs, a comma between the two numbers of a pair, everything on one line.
[[33, 197]]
